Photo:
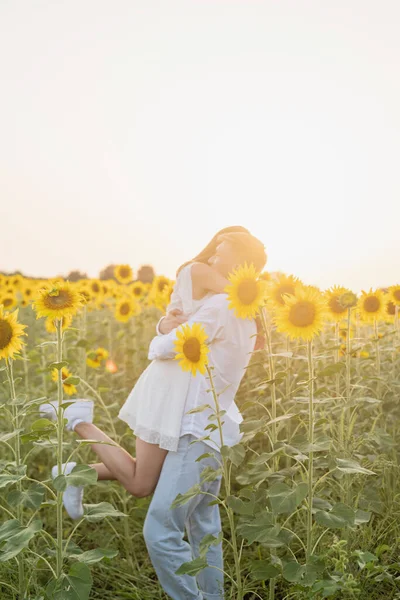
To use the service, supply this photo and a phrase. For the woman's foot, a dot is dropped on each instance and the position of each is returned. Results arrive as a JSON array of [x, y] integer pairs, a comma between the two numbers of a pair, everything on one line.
[[73, 495], [81, 411]]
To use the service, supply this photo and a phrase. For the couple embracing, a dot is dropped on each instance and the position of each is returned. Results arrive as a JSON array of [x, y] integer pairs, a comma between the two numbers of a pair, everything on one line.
[[167, 438]]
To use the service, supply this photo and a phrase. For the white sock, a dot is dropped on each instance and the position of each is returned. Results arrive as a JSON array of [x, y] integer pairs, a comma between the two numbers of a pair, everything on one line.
[[73, 495]]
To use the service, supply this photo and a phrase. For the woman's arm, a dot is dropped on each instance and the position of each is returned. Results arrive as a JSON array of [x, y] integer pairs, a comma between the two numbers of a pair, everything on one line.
[[204, 278]]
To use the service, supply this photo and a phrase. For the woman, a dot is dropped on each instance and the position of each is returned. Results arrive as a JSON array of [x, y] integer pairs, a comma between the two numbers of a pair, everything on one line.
[[154, 409]]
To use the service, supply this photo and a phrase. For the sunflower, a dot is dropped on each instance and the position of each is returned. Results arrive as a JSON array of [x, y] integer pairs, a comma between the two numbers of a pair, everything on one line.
[[8, 300], [125, 309], [390, 311], [245, 291], [57, 301], [160, 282], [191, 348], [394, 292], [336, 310], [303, 314], [371, 306], [137, 289], [286, 284], [27, 291], [10, 333], [123, 273], [95, 357], [50, 323], [68, 387]]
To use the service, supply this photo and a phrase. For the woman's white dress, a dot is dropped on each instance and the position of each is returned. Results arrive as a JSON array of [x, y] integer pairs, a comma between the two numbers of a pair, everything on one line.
[[155, 406]]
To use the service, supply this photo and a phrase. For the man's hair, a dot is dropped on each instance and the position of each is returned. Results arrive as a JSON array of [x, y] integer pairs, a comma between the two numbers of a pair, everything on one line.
[[248, 248]]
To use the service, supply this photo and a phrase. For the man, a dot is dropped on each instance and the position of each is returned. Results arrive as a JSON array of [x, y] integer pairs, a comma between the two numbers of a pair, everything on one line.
[[231, 341]]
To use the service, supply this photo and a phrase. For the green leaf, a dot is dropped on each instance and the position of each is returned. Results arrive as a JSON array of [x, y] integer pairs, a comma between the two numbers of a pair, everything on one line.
[[351, 466], [209, 474], [339, 517], [285, 500], [198, 409], [252, 529], [205, 455], [208, 541], [235, 453], [363, 558], [193, 567], [8, 436], [239, 506], [181, 499], [362, 516], [7, 479], [17, 536], [93, 556], [57, 365], [72, 380], [82, 475], [262, 570], [75, 585], [31, 497], [293, 571], [97, 512], [332, 369], [43, 425]]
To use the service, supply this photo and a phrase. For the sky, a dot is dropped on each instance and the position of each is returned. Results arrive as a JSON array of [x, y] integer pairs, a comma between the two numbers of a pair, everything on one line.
[[131, 131]]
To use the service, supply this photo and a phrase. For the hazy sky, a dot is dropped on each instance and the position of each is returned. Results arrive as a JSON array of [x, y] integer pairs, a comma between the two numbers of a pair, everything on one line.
[[131, 131]]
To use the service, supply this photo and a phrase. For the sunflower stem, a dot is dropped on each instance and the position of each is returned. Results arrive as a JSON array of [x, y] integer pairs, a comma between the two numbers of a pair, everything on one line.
[[311, 451], [17, 451], [275, 464], [60, 431], [227, 483]]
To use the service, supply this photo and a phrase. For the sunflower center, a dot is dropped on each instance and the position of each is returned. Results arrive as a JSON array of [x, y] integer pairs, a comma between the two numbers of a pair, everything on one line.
[[391, 308], [7, 302], [59, 299], [302, 314], [191, 349], [124, 308], [284, 289], [124, 272], [96, 288], [247, 291], [396, 294], [335, 305], [371, 304], [136, 291], [161, 285], [6, 333]]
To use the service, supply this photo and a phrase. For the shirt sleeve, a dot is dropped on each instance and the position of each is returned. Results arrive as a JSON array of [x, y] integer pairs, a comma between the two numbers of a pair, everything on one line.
[[212, 315]]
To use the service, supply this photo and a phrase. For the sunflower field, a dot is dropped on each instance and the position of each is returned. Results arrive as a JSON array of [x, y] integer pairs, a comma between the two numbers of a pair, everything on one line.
[[310, 500]]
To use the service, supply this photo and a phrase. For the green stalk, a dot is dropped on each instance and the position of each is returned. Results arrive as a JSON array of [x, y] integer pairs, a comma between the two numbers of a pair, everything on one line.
[[60, 432], [275, 461], [227, 482], [17, 451], [378, 360], [83, 335], [311, 452]]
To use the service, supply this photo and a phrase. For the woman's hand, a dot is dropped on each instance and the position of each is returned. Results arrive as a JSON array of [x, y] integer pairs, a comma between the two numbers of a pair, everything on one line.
[[171, 320]]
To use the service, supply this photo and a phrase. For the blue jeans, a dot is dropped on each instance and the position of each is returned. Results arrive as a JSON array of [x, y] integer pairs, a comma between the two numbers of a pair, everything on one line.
[[164, 526]]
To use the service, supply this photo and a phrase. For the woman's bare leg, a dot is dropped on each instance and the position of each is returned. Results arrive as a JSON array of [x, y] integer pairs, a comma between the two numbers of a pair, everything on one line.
[[138, 475]]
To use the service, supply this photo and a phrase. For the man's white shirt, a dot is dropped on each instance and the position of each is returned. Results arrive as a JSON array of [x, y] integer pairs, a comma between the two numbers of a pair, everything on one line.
[[231, 341]]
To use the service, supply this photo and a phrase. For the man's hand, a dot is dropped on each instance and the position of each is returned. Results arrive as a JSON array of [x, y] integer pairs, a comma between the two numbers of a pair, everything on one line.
[[171, 320]]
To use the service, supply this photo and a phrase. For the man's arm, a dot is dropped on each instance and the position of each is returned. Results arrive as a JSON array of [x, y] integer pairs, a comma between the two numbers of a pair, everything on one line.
[[212, 315]]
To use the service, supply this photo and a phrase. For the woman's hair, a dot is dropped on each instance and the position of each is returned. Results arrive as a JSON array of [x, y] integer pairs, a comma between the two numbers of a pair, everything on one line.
[[211, 247]]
